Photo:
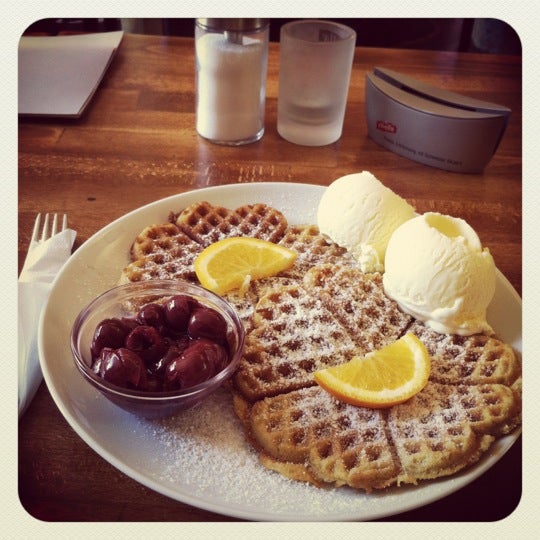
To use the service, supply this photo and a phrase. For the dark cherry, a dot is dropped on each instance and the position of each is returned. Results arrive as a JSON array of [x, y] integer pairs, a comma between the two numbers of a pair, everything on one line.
[[199, 362], [122, 367], [174, 349], [207, 323], [213, 352], [129, 323], [177, 312], [169, 346], [192, 367], [96, 364], [109, 333], [147, 342], [152, 315]]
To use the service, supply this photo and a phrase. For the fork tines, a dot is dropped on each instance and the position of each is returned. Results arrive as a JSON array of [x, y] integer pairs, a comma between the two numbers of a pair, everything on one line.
[[45, 229]]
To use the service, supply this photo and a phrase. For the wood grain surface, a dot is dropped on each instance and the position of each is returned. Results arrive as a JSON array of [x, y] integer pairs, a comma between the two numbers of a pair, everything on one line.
[[137, 144]]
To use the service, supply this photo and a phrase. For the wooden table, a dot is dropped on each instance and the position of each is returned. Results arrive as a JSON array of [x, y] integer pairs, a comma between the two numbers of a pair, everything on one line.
[[137, 144]]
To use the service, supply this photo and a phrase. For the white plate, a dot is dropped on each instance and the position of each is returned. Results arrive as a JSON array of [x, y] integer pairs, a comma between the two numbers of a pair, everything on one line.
[[192, 458]]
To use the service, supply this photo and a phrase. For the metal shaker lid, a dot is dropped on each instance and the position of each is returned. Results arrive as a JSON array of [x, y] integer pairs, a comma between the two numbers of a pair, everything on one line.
[[233, 25]]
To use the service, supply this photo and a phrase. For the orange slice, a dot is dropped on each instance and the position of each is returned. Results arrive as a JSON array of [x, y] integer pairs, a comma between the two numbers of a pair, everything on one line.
[[382, 378], [230, 263]]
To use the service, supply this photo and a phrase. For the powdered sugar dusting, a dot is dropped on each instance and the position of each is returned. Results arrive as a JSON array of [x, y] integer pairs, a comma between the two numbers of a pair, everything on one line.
[[204, 451]]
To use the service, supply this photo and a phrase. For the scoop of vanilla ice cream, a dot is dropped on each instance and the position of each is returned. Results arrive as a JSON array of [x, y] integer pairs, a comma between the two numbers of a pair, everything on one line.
[[359, 213], [437, 271]]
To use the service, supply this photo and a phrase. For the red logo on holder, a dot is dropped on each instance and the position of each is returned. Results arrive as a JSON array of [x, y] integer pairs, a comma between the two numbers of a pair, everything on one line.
[[383, 125]]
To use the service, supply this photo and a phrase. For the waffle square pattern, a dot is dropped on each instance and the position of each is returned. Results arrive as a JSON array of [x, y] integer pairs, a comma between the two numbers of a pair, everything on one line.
[[320, 313]]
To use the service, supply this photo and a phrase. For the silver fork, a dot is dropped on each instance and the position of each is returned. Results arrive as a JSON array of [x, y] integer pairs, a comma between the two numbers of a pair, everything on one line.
[[33, 291], [41, 233]]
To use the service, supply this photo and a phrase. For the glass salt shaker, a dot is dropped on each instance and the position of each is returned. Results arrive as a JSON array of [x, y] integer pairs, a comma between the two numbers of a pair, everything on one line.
[[231, 61]]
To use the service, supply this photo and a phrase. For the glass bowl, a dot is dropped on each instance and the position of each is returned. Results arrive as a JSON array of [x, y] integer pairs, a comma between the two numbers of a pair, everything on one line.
[[124, 301]]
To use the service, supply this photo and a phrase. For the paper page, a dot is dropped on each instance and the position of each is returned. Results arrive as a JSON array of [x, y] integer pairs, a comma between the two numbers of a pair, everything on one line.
[[59, 74]]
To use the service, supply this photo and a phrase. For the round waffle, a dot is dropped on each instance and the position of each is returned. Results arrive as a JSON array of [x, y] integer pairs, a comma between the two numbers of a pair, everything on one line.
[[319, 313]]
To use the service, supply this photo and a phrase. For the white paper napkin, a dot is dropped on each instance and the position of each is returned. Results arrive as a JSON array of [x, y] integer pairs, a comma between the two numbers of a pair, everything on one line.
[[34, 286]]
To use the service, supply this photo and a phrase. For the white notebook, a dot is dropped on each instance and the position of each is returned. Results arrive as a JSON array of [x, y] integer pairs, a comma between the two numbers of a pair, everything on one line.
[[58, 75]]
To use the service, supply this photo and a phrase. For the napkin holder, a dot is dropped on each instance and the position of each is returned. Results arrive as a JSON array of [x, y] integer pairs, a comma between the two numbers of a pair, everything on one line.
[[430, 125]]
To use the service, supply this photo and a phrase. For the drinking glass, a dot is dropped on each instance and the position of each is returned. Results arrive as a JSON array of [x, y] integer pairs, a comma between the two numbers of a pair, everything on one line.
[[315, 68]]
